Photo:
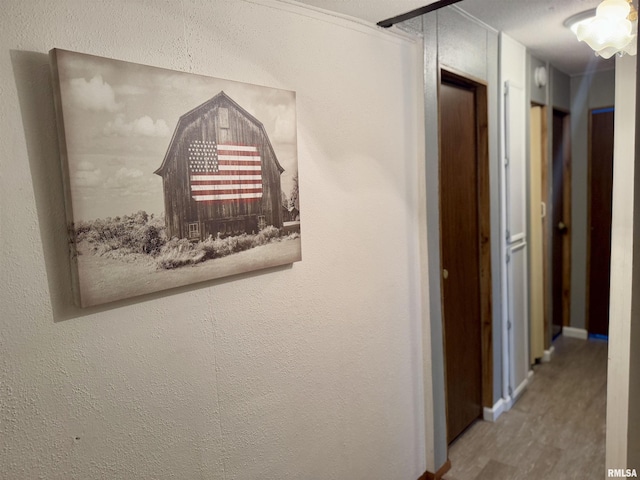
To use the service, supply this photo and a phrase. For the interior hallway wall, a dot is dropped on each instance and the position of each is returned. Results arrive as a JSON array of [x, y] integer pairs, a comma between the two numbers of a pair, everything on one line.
[[308, 371], [577, 95], [589, 91], [539, 95], [627, 94], [623, 388], [455, 40]]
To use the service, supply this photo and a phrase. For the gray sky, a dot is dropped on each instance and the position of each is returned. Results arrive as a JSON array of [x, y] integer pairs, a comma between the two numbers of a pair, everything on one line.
[[119, 118]]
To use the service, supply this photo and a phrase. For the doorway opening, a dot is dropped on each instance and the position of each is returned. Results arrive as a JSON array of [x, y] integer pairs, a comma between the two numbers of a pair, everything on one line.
[[561, 222], [539, 243], [601, 127], [465, 250]]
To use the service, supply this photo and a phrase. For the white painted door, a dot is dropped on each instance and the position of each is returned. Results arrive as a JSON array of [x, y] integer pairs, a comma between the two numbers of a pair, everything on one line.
[[517, 324]]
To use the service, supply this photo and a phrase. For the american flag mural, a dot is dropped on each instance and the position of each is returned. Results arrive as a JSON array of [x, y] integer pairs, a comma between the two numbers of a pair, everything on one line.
[[224, 172]]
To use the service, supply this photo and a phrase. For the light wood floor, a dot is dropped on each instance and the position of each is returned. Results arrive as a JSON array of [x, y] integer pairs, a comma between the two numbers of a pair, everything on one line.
[[556, 430]]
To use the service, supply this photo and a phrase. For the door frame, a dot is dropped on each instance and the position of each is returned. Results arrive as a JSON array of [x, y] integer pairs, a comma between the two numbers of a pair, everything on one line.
[[455, 77], [589, 178], [544, 198], [546, 282], [566, 214]]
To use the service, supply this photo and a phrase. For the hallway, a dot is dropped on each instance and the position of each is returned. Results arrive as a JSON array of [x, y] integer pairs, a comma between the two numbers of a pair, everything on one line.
[[556, 430]]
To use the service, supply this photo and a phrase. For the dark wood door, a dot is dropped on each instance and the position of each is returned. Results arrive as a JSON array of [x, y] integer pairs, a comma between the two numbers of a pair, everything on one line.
[[558, 222], [601, 183], [460, 256]]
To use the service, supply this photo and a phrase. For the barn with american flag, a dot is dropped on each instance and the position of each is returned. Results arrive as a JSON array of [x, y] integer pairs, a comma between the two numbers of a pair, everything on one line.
[[220, 173]]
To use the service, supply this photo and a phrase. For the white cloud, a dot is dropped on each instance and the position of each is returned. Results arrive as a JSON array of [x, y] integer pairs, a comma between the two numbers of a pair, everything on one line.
[[129, 90], [285, 129], [145, 126], [87, 175], [141, 127], [129, 181], [85, 166], [95, 95], [124, 178], [126, 173]]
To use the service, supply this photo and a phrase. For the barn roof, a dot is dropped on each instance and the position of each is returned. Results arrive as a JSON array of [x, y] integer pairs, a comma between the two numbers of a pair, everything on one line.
[[197, 111]]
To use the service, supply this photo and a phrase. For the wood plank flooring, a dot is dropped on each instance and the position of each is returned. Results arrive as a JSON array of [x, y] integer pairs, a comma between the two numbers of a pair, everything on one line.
[[556, 430]]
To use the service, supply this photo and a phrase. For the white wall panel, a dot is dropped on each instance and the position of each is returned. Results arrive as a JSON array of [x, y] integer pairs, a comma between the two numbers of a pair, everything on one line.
[[516, 176], [517, 279], [625, 218], [514, 216]]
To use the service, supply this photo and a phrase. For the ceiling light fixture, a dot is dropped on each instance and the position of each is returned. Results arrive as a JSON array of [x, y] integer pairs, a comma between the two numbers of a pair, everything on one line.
[[609, 29]]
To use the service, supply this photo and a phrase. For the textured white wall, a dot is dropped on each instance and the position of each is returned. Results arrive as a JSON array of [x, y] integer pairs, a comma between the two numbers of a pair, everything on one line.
[[312, 371], [623, 277]]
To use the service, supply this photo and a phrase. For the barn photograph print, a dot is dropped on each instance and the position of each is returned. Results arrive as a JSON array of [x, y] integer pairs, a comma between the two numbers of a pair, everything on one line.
[[172, 178]]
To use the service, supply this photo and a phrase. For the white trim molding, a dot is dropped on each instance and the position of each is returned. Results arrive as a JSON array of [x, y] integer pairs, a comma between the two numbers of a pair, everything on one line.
[[573, 332], [492, 414], [546, 357], [520, 389], [505, 404]]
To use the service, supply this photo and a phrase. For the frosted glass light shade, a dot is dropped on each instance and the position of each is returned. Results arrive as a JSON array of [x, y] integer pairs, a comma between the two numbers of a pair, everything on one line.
[[610, 31]]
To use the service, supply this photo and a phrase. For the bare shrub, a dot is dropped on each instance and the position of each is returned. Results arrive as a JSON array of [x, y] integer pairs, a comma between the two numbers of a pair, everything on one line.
[[136, 233], [142, 236], [266, 235]]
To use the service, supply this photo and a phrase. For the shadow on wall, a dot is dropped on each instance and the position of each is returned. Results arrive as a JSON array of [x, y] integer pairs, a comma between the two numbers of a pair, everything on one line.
[[35, 94]]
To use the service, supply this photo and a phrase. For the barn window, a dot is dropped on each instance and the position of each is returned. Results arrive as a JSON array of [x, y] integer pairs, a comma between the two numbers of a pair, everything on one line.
[[223, 117], [194, 230], [261, 222]]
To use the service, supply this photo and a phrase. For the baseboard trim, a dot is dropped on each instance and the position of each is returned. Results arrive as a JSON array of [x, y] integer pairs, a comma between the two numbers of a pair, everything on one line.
[[492, 414], [573, 332], [439, 474], [519, 390], [546, 358]]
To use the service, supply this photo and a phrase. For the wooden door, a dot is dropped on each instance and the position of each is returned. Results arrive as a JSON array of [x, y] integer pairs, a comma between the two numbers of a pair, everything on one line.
[[600, 197], [460, 256], [561, 208]]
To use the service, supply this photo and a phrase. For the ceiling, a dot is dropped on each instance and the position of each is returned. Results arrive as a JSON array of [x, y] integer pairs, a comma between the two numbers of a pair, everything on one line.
[[537, 24]]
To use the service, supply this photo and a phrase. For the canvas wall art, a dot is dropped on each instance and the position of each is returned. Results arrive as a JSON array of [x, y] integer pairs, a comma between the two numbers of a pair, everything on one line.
[[172, 178]]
